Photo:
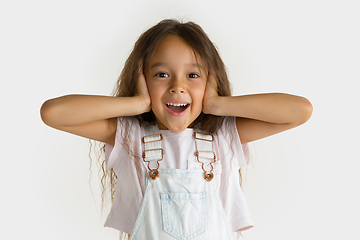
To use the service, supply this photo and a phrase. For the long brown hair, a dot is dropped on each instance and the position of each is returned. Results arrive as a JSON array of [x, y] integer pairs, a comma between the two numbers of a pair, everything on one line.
[[140, 56]]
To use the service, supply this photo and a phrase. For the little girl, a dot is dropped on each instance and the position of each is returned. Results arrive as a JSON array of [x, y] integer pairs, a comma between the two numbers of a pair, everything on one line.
[[175, 137]]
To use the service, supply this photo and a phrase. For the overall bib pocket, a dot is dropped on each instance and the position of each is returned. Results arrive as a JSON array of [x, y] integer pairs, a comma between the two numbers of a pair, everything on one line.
[[183, 214]]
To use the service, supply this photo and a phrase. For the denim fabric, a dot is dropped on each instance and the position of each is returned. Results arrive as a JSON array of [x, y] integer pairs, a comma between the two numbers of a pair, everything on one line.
[[183, 214], [181, 204]]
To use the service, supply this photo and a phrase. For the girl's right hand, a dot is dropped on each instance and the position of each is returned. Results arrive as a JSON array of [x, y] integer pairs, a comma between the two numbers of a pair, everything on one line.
[[142, 93]]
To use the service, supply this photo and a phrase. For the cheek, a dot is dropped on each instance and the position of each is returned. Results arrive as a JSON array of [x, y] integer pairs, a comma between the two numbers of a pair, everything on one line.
[[155, 92], [151, 88], [152, 91], [199, 91], [197, 97]]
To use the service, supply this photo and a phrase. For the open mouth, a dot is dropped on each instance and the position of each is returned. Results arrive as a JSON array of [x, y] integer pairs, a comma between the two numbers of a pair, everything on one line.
[[177, 107]]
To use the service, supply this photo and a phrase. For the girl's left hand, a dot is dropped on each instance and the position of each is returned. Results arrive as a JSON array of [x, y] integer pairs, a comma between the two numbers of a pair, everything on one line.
[[210, 95]]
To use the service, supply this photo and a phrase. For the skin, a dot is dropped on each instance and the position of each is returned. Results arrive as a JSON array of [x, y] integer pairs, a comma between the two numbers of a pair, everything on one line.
[[171, 76]]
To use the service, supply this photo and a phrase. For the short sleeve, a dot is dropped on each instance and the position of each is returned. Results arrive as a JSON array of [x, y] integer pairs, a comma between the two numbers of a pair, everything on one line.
[[108, 150], [246, 152], [230, 142], [112, 153], [130, 175], [233, 155]]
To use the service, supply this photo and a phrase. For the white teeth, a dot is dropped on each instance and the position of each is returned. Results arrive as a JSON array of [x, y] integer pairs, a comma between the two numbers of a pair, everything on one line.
[[177, 104]]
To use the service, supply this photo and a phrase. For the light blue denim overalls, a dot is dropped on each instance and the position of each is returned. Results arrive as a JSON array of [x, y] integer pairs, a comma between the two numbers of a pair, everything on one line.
[[180, 204]]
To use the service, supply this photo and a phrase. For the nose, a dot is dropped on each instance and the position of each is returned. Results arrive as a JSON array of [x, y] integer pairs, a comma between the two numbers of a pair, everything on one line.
[[178, 86]]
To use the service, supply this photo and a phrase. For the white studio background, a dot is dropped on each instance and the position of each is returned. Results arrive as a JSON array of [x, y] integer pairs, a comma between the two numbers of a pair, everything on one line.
[[302, 183]]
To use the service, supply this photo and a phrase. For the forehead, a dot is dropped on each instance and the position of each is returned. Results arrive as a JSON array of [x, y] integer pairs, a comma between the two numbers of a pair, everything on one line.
[[173, 49]]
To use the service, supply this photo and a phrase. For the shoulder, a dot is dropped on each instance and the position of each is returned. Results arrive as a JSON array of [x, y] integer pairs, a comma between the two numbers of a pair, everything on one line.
[[130, 121], [229, 144], [128, 134], [227, 128], [127, 128]]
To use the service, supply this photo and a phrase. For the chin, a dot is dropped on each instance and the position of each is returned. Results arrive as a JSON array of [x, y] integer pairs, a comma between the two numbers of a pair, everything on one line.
[[177, 128]]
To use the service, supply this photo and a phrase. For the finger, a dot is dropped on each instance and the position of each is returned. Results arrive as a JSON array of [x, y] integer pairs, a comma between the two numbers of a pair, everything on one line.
[[212, 83], [141, 84], [141, 69]]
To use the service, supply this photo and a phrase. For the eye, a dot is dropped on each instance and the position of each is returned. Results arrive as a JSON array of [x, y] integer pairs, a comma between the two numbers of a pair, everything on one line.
[[192, 75], [162, 75]]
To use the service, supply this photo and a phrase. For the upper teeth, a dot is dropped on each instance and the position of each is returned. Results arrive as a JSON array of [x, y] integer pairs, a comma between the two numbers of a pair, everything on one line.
[[177, 104]]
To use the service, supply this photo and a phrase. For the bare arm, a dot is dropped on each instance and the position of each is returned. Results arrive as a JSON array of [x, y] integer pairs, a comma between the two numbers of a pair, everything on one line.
[[92, 116], [258, 115]]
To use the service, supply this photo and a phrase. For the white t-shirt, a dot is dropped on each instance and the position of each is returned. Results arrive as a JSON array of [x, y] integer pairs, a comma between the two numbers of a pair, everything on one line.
[[179, 153]]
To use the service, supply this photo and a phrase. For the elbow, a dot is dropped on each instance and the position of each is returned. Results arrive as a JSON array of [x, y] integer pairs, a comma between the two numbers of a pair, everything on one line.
[[305, 111], [46, 112]]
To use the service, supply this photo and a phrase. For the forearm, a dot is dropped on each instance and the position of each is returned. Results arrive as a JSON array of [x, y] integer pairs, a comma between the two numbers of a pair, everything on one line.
[[74, 110], [272, 107]]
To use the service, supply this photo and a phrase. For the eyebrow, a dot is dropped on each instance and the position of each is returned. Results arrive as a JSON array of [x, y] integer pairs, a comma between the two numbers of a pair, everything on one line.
[[158, 64], [164, 64]]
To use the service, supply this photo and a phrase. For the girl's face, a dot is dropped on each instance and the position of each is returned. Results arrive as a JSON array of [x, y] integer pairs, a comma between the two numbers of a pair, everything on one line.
[[176, 84]]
